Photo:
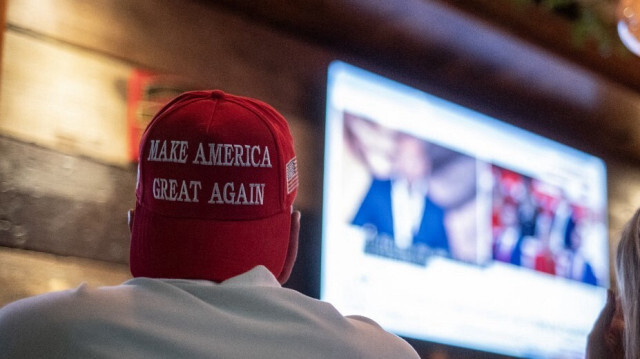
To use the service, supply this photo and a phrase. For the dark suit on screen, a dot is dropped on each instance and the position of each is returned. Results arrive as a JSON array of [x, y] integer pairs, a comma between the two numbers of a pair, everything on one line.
[[376, 210]]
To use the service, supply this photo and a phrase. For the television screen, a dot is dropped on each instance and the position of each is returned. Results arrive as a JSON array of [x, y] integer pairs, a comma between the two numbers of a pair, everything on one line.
[[445, 225]]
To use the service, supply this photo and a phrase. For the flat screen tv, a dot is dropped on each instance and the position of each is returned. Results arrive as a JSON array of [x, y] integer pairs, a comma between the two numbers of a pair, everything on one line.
[[446, 225]]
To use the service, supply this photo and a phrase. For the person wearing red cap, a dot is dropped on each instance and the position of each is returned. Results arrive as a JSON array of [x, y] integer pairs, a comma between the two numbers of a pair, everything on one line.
[[213, 238]]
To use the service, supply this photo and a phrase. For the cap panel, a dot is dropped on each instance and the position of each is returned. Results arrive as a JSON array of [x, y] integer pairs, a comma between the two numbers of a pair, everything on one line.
[[280, 131], [192, 249], [211, 160]]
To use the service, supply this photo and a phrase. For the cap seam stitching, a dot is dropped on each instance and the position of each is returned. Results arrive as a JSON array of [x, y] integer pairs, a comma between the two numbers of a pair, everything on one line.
[[173, 105], [283, 193], [215, 107]]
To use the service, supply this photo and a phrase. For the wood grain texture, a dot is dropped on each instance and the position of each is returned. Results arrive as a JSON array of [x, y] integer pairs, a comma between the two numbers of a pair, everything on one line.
[[64, 98], [26, 273], [190, 38], [3, 24], [63, 204], [212, 47]]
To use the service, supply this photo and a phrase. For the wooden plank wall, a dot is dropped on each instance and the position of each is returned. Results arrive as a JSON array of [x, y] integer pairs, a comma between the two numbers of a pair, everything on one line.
[[27, 273], [3, 23], [65, 180], [67, 66], [65, 98]]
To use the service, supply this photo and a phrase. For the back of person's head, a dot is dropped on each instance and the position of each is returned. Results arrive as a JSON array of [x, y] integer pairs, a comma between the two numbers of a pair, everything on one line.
[[628, 279], [217, 178]]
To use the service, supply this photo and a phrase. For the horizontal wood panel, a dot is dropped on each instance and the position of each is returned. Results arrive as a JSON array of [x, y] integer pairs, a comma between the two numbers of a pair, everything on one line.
[[67, 99], [194, 39], [211, 47], [26, 273], [63, 204]]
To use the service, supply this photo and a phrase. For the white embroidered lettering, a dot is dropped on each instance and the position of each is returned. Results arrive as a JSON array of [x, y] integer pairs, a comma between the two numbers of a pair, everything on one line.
[[228, 194], [153, 150], [177, 151], [167, 189], [228, 154], [156, 188], [266, 160], [216, 197], [172, 190], [238, 158], [242, 195], [195, 186], [164, 184], [237, 194], [162, 156], [257, 193], [184, 193], [253, 156], [247, 151], [200, 160], [182, 155], [215, 155]]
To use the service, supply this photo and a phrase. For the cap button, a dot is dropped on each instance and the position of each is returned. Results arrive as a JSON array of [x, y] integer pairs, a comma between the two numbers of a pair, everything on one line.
[[217, 94]]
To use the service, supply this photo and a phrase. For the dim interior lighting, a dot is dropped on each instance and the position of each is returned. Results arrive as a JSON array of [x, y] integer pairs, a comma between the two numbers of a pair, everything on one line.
[[629, 24]]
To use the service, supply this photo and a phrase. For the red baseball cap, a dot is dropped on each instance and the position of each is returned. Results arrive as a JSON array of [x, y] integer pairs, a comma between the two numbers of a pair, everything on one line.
[[217, 177]]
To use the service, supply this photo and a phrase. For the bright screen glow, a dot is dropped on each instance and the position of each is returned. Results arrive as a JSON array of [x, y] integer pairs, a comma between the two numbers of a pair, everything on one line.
[[446, 225]]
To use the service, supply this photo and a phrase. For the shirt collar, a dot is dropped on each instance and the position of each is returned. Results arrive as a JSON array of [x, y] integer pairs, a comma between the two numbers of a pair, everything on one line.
[[257, 276]]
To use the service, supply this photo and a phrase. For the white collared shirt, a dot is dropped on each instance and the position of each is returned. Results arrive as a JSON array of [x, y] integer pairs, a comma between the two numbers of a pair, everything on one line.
[[248, 316], [408, 208]]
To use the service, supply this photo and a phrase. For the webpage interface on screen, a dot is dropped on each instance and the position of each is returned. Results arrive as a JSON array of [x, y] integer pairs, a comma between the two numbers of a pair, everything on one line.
[[445, 225]]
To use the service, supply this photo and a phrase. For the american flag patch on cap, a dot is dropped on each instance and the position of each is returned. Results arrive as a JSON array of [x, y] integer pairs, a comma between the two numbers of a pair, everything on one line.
[[292, 175]]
